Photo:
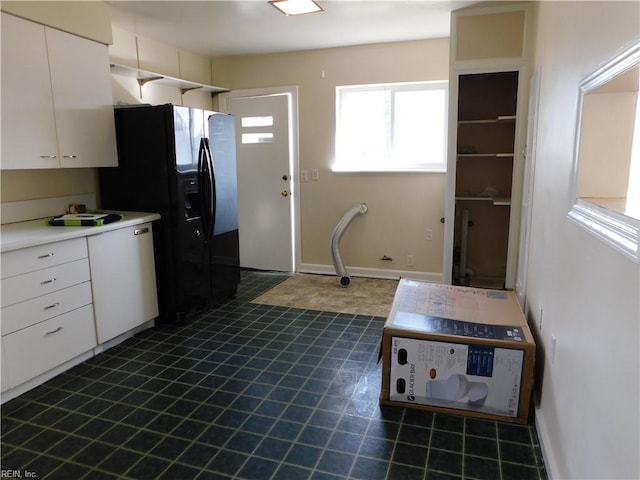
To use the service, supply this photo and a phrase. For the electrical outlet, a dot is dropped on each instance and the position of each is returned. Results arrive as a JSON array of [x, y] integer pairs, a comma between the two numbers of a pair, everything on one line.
[[410, 260], [315, 174], [540, 310], [429, 234], [304, 176]]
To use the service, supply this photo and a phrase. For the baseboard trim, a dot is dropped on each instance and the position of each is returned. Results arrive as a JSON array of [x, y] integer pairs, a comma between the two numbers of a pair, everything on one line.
[[373, 273], [124, 336], [550, 462], [32, 383]]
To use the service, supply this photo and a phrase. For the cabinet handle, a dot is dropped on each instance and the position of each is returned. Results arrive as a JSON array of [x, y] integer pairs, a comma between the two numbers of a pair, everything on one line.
[[51, 306], [46, 255], [51, 280], [48, 156], [69, 156], [140, 231], [53, 331]]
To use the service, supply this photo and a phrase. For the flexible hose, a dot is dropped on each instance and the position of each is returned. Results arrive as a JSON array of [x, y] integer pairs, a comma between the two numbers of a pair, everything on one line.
[[342, 225]]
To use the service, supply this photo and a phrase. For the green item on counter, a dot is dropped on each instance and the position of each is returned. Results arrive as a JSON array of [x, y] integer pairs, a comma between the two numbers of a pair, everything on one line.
[[84, 219]]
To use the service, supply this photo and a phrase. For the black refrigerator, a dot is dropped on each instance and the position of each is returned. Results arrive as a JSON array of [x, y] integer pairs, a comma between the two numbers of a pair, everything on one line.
[[180, 162]]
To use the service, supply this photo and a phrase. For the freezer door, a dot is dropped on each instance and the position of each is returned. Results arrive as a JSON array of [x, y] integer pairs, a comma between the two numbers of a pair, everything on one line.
[[222, 143], [224, 244]]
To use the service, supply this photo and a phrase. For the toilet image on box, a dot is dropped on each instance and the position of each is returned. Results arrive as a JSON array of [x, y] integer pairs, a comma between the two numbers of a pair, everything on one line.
[[455, 388]]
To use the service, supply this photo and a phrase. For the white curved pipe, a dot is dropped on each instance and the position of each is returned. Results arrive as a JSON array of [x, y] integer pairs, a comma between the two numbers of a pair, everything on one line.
[[342, 225]]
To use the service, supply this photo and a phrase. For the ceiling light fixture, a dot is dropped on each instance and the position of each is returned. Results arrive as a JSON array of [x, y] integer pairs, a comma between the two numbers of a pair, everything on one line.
[[296, 7]]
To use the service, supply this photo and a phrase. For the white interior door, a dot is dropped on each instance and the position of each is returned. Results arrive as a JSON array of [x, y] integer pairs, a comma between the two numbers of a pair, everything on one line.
[[265, 185]]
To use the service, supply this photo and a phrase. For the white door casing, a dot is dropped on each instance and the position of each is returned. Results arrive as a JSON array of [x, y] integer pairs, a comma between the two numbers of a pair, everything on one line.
[[267, 173], [518, 164], [527, 193]]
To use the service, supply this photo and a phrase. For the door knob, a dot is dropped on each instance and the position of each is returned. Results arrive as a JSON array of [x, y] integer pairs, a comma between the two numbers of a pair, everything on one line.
[[284, 193]]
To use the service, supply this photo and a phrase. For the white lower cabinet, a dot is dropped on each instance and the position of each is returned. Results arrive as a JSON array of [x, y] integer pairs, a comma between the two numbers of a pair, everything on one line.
[[47, 316], [24, 314], [61, 300], [34, 284], [40, 347], [122, 279]]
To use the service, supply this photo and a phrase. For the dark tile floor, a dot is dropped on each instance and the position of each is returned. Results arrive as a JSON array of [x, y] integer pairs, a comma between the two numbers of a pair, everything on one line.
[[249, 391]]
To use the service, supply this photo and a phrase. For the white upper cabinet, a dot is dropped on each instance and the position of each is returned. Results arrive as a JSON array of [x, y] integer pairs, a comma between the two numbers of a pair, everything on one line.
[[57, 102], [83, 100], [28, 124]]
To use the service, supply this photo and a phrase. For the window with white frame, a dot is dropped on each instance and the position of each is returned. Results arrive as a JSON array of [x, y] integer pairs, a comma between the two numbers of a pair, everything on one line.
[[391, 127], [606, 182]]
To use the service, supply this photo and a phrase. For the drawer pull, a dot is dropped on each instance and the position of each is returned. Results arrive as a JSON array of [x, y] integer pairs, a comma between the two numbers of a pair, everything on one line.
[[51, 280], [48, 156], [46, 255], [69, 156], [51, 306], [140, 231], [54, 331]]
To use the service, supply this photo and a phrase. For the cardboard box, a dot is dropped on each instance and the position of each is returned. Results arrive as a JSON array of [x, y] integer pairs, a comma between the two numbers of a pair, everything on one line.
[[458, 350]]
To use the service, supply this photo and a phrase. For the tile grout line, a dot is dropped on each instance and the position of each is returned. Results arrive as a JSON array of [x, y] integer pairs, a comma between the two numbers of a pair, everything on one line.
[[280, 417], [499, 451], [464, 439]]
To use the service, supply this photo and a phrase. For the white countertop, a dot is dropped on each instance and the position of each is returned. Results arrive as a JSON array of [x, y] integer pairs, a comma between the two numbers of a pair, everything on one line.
[[14, 236]]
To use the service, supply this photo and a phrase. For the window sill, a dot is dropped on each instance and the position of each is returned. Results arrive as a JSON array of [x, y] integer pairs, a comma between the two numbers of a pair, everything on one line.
[[387, 170], [613, 228], [618, 205]]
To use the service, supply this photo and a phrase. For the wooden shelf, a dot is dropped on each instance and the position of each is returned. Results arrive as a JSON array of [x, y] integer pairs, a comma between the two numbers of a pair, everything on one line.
[[497, 201], [486, 155], [499, 119], [144, 76]]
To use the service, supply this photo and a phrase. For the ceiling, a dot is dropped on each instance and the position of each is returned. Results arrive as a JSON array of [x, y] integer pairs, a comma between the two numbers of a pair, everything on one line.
[[240, 27]]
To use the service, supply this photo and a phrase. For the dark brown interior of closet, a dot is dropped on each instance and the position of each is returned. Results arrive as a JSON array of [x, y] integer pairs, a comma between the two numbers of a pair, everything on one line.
[[484, 172]]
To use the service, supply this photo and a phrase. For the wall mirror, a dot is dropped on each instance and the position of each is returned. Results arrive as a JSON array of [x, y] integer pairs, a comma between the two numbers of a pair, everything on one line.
[[606, 182]]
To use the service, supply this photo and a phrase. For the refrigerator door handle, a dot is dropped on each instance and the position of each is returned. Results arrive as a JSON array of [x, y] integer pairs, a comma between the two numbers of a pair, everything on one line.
[[204, 216], [212, 188]]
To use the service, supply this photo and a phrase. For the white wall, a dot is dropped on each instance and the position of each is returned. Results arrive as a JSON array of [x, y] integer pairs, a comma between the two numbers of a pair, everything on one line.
[[402, 206], [588, 413]]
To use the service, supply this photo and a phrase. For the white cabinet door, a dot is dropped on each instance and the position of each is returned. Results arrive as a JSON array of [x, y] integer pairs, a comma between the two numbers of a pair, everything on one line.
[[28, 124], [57, 100], [83, 100], [123, 280]]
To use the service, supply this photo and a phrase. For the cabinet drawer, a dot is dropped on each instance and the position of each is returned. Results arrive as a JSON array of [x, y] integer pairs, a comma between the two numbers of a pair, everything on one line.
[[41, 347], [31, 259], [41, 282], [30, 312]]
